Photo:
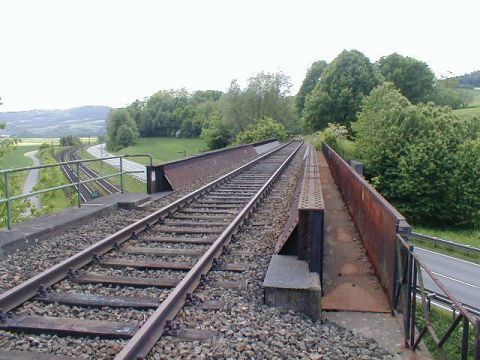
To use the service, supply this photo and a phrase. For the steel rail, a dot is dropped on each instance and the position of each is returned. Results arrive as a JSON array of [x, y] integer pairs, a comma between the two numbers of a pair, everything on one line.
[[104, 184], [74, 177], [17, 295], [145, 338], [67, 169]]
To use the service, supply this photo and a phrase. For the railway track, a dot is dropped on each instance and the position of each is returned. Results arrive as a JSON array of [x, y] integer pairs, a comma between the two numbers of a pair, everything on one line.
[[86, 190], [171, 250]]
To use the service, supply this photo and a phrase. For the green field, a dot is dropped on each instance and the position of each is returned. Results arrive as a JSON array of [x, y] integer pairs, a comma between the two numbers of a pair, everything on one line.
[[462, 236], [53, 140], [17, 157], [473, 108], [163, 149]]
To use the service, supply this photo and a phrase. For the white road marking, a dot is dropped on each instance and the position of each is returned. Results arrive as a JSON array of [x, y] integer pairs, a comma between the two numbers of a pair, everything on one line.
[[447, 256], [456, 280]]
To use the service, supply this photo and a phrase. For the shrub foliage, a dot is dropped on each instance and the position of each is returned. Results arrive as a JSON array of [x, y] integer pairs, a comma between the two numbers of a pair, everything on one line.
[[421, 157]]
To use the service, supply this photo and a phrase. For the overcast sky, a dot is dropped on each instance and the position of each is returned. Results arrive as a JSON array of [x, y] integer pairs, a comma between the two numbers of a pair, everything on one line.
[[59, 54]]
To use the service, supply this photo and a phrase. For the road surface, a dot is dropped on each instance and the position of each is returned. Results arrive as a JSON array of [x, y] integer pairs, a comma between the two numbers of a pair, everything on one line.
[[30, 182], [128, 165], [460, 277]]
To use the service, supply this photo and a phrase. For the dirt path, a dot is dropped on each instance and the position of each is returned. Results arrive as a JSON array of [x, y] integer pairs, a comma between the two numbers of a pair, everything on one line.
[[31, 180]]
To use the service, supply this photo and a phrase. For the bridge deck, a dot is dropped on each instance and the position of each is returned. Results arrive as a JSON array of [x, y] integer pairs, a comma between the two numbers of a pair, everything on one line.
[[348, 282]]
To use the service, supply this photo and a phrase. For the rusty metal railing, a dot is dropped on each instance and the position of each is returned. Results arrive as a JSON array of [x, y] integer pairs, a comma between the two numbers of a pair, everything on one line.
[[410, 286]]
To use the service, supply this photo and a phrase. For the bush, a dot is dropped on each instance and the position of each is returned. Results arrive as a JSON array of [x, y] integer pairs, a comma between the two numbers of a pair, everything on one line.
[[335, 136], [70, 140], [266, 128], [420, 157], [216, 134]]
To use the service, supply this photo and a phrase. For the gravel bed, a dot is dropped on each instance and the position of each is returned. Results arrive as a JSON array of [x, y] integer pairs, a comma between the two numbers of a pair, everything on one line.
[[128, 271], [246, 328], [150, 257], [35, 308], [112, 290], [164, 245]]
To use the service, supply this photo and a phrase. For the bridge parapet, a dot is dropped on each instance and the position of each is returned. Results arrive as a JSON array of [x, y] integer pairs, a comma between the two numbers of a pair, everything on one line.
[[176, 174]]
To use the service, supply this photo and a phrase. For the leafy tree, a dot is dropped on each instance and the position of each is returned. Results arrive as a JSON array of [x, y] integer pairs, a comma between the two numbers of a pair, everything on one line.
[[412, 77], [261, 130], [8, 145], [416, 155], [126, 136], [121, 129], [216, 133], [266, 95], [313, 75], [338, 95], [70, 140]]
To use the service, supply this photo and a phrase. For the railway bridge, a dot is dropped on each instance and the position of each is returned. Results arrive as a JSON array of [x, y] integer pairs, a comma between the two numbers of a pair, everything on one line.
[[219, 259]]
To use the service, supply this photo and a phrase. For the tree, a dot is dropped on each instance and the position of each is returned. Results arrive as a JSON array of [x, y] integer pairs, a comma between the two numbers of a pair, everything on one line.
[[266, 95], [338, 95], [126, 136], [311, 79], [412, 77], [118, 122], [70, 140], [266, 128], [216, 133], [417, 157]]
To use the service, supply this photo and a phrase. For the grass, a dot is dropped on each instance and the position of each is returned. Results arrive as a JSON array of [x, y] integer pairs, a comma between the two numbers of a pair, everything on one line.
[[462, 236], [130, 184], [54, 140], [52, 201], [17, 157], [163, 149], [473, 108], [441, 320]]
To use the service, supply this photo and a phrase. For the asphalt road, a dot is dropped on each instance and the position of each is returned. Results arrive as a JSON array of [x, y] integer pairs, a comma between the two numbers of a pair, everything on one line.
[[128, 165], [460, 277]]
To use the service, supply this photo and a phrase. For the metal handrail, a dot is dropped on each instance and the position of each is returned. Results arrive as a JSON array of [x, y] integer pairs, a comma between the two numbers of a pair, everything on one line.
[[410, 279], [7, 200]]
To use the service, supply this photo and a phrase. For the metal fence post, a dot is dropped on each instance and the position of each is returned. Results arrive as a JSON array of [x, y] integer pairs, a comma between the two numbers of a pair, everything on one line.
[[465, 333], [121, 174], [408, 307], [8, 204], [476, 342], [413, 313], [79, 198]]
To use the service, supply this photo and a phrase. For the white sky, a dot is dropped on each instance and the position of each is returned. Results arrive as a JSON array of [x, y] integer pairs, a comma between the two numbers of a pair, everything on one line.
[[59, 54]]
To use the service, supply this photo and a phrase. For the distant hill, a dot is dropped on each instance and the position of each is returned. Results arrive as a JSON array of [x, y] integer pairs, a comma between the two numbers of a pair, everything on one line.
[[80, 121], [469, 81]]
